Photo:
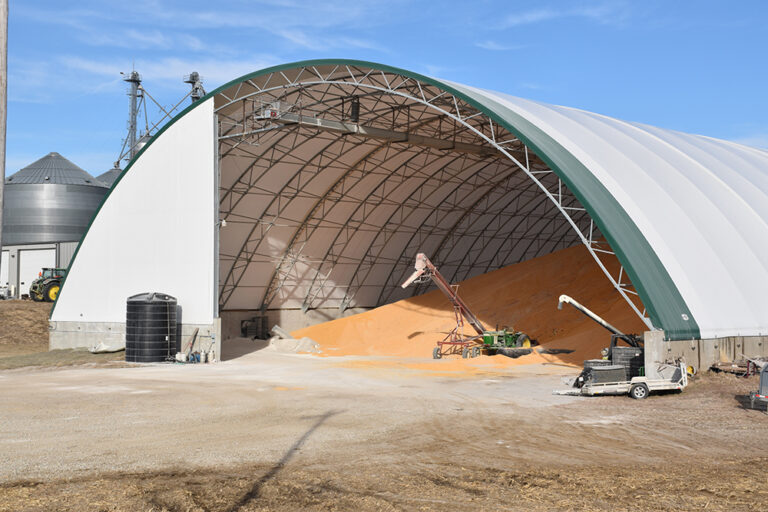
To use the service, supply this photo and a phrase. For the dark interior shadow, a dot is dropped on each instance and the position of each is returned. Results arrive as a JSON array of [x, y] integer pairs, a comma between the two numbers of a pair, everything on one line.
[[239, 347], [255, 490]]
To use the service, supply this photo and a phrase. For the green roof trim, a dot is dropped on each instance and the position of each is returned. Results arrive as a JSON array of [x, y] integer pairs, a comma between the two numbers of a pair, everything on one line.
[[665, 305]]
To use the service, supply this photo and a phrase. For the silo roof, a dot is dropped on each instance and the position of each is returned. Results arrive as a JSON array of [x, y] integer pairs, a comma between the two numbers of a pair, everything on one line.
[[109, 177], [53, 169]]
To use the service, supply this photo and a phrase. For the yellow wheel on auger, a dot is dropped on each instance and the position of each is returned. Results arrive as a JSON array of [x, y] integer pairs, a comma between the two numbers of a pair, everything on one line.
[[52, 291]]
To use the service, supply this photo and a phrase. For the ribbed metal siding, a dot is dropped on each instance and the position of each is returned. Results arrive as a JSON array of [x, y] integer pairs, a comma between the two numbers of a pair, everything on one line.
[[65, 253], [44, 213]]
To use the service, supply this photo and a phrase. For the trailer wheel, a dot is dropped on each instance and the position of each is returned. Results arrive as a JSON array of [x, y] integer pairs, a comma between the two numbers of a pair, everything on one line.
[[475, 351], [465, 352], [638, 391], [436, 353]]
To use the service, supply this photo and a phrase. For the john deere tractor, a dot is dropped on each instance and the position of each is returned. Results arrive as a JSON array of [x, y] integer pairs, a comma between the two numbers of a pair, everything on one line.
[[46, 287]]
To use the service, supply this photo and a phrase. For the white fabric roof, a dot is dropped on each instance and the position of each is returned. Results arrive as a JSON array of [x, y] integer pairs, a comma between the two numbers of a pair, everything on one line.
[[320, 218]]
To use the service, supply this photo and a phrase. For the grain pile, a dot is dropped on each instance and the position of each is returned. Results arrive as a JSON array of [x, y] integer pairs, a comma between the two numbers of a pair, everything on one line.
[[522, 295]]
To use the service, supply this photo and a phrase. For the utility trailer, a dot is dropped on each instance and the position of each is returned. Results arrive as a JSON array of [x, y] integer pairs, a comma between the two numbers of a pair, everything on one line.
[[623, 369], [506, 341], [675, 379]]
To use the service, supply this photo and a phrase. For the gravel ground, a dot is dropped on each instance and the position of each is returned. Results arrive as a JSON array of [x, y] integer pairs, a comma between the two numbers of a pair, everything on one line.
[[271, 431]]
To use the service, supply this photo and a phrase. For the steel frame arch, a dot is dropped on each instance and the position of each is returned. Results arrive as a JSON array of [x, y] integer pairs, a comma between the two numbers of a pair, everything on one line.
[[489, 138], [287, 183], [452, 230], [268, 297], [439, 169]]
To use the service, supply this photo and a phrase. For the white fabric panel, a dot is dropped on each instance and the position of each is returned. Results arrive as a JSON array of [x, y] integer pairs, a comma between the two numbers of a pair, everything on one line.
[[701, 203], [155, 232]]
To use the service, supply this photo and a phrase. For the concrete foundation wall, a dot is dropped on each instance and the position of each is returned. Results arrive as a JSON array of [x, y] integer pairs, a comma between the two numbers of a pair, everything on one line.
[[87, 334], [703, 353], [288, 319]]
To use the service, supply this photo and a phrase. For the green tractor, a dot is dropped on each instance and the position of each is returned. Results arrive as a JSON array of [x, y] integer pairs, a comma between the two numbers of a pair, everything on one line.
[[505, 339], [46, 287]]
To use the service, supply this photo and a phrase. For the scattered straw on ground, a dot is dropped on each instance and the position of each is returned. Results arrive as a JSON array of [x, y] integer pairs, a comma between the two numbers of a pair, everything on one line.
[[728, 485]]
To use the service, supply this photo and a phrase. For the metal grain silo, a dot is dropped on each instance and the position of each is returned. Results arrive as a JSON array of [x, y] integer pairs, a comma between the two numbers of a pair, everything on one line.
[[108, 178], [50, 200]]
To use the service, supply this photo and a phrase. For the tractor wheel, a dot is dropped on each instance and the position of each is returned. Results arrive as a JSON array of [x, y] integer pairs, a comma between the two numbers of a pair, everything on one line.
[[475, 351], [523, 341], [465, 352], [35, 297], [638, 391], [436, 353], [51, 291]]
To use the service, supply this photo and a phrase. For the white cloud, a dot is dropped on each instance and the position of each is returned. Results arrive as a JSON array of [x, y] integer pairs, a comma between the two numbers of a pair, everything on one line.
[[532, 86], [169, 71], [526, 18], [324, 43], [607, 13], [497, 47], [29, 82], [757, 140]]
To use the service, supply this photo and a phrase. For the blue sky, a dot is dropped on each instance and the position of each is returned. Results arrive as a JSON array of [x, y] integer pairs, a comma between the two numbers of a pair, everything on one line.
[[696, 66]]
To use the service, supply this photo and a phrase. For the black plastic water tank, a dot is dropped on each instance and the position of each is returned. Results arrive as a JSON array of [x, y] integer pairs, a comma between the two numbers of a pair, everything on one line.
[[150, 327]]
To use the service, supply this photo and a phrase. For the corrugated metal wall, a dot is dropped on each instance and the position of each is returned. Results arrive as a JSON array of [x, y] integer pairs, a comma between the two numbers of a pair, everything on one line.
[[36, 213], [66, 251]]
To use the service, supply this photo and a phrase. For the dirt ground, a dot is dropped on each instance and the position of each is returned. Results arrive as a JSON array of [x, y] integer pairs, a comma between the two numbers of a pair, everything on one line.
[[23, 327], [265, 430], [272, 431], [24, 339]]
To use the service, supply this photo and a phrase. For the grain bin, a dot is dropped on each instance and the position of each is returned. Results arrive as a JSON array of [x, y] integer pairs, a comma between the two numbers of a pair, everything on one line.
[[51, 200]]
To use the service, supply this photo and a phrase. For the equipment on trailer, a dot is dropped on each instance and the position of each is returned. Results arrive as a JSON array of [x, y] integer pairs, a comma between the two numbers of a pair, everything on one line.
[[630, 358], [633, 340], [46, 287], [506, 341], [610, 380], [622, 371]]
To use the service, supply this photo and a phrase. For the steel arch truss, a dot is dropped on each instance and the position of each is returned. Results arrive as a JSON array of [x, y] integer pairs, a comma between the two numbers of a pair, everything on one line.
[[334, 177]]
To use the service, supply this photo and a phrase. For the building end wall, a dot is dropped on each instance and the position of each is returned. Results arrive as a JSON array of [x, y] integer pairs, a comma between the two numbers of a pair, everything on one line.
[[701, 354], [67, 335]]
